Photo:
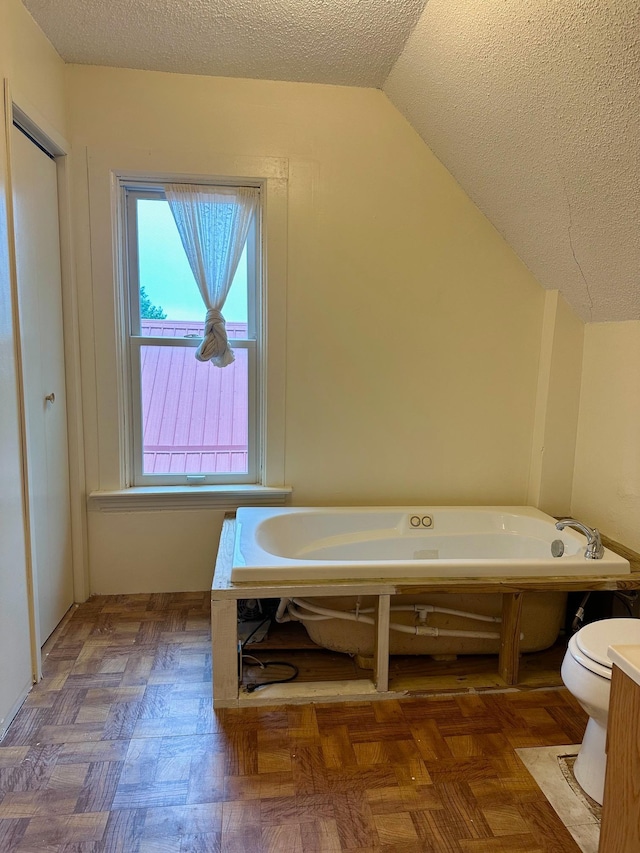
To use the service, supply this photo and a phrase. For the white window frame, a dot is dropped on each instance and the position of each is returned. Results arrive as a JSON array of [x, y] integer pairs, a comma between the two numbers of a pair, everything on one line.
[[102, 310], [130, 191]]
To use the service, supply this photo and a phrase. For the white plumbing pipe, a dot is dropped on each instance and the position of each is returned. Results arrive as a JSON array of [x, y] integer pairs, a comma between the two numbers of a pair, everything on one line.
[[323, 613], [432, 608], [421, 608], [420, 630], [406, 608], [428, 631], [333, 614], [281, 613], [313, 617]]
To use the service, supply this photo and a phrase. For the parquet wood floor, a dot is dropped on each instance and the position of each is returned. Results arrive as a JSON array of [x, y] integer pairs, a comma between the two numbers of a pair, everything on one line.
[[118, 750]]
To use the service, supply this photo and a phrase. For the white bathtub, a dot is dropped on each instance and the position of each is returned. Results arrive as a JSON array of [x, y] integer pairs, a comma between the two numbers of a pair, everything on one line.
[[369, 543]]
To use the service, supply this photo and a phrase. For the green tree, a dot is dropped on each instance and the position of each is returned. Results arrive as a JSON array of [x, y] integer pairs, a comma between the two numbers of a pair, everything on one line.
[[149, 311]]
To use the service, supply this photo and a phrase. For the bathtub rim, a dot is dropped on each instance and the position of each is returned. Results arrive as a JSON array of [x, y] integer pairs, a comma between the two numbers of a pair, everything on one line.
[[266, 567]]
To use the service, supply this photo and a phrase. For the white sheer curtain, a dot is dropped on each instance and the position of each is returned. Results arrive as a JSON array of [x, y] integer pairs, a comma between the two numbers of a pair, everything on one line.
[[213, 223]]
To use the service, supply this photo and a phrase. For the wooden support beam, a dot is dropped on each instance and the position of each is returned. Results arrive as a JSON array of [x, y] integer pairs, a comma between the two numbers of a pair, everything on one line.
[[381, 653], [224, 650], [509, 661]]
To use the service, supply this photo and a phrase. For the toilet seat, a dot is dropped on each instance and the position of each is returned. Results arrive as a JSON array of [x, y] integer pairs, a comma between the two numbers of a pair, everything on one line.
[[585, 661], [589, 646]]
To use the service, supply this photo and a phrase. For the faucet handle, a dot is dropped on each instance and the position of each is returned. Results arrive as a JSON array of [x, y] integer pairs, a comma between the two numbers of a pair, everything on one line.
[[595, 548]]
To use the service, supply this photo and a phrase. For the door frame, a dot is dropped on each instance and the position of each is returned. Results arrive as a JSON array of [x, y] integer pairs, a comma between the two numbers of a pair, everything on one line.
[[28, 117]]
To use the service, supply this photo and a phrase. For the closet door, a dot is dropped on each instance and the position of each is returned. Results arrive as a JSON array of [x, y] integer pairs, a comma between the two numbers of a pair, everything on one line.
[[42, 346], [15, 636]]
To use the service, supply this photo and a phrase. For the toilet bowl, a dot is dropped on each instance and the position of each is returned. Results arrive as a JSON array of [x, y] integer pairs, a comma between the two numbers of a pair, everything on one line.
[[586, 672]]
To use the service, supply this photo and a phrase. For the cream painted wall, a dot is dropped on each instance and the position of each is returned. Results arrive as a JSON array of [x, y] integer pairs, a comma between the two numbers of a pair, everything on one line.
[[37, 71], [413, 331], [160, 551], [606, 488], [558, 399]]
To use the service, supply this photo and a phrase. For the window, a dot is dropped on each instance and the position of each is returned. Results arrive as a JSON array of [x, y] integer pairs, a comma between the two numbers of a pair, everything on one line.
[[190, 421]]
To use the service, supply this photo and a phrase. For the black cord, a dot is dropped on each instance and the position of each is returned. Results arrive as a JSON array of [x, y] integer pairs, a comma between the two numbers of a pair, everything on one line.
[[264, 664], [250, 688], [257, 628], [578, 619]]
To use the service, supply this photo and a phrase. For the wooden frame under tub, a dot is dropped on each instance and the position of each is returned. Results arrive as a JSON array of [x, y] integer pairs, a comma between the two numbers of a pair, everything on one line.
[[228, 692]]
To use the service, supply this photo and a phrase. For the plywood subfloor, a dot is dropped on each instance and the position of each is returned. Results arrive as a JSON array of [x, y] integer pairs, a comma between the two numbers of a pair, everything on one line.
[[118, 750]]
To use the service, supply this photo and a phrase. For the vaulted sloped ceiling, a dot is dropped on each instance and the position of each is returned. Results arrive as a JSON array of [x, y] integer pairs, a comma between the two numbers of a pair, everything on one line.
[[533, 105]]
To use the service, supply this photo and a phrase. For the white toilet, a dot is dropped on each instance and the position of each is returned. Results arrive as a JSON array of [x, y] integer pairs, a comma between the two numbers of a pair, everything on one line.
[[586, 672]]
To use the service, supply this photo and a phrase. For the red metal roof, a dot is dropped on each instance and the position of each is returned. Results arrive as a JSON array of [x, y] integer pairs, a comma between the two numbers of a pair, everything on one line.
[[194, 414]]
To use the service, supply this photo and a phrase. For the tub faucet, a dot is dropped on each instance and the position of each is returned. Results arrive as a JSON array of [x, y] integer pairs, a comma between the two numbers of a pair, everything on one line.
[[595, 548]]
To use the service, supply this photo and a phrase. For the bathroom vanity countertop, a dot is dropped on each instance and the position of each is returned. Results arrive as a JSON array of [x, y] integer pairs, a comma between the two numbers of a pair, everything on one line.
[[627, 658]]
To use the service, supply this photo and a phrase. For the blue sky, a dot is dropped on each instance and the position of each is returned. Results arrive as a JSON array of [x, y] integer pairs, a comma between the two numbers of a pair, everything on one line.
[[165, 271]]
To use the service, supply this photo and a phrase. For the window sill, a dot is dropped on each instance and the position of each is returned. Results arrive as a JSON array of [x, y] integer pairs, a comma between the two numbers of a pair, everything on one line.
[[224, 498]]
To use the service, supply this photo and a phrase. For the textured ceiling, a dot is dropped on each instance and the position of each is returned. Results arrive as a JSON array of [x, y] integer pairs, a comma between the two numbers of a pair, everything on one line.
[[533, 105], [347, 42]]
